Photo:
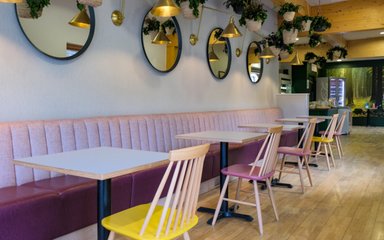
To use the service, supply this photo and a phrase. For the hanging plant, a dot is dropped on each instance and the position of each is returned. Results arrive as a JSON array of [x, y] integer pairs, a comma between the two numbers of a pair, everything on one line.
[[92, 3], [285, 51], [237, 5], [275, 42], [32, 8], [191, 8], [290, 31], [320, 24], [310, 57], [151, 25], [288, 11], [169, 27], [306, 22], [320, 62], [314, 40], [337, 53], [253, 16]]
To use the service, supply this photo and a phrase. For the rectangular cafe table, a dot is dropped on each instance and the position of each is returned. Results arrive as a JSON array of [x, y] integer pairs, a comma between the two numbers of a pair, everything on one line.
[[224, 137], [265, 126], [102, 164], [315, 116]]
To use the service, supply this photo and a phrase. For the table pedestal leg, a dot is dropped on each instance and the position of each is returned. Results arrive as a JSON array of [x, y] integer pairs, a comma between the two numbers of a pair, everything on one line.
[[103, 206]]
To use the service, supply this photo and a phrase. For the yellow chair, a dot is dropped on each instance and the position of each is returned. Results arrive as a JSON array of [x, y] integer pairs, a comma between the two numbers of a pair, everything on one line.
[[325, 140], [178, 215]]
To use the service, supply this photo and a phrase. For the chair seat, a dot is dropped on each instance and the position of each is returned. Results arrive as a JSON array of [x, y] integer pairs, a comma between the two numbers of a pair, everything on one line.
[[293, 151], [242, 170], [335, 133], [322, 139], [130, 221]]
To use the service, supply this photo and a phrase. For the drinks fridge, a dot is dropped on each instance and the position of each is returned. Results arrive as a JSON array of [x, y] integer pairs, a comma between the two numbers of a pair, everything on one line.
[[331, 88]]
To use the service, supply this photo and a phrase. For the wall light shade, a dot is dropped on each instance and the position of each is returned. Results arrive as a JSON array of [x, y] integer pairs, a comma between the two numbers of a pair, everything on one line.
[[161, 38], [81, 20], [267, 53], [11, 1], [296, 60], [231, 31], [165, 8], [212, 56]]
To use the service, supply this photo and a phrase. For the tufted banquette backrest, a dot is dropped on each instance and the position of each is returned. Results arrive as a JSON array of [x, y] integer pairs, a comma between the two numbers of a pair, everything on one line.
[[146, 132]]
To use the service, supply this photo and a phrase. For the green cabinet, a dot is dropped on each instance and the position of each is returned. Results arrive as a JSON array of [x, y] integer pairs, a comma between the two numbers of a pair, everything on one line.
[[304, 80]]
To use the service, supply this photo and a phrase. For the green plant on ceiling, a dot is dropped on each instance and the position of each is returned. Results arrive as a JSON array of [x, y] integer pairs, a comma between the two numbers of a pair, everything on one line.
[[288, 11], [320, 24], [321, 61], [169, 25], [285, 51], [337, 52], [151, 25], [194, 5], [274, 41], [306, 22], [290, 30], [237, 5], [80, 6], [36, 7], [310, 57], [253, 15], [314, 40]]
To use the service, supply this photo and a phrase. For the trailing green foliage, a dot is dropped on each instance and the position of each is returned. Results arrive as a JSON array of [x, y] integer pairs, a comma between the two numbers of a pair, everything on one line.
[[237, 5], [309, 56], [169, 24], [320, 24], [274, 39], [295, 24], [314, 40], [287, 47], [304, 18], [330, 52], [253, 11], [288, 7], [151, 24], [193, 4], [321, 61], [37, 5]]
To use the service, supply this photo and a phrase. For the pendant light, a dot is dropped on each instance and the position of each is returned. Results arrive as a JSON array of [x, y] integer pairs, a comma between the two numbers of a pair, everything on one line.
[[296, 60], [212, 57], [81, 19], [161, 38], [231, 31], [165, 8]]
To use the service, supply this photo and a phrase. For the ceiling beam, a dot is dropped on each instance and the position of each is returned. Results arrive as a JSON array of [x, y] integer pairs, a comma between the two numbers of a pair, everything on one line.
[[352, 15]]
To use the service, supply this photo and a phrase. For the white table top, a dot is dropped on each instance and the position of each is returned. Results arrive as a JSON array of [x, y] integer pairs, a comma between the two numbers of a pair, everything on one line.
[[223, 136], [96, 163], [298, 120], [286, 127], [314, 116]]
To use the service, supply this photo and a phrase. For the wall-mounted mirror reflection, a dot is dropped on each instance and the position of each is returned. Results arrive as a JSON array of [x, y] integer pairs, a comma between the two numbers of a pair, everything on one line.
[[52, 34], [218, 54], [255, 64], [161, 40]]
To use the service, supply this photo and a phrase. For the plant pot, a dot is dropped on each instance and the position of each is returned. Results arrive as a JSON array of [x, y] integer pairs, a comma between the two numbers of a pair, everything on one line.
[[284, 54], [306, 25], [24, 11], [275, 50], [290, 36], [92, 3], [312, 60], [187, 12], [288, 16], [253, 26], [169, 31], [336, 54], [238, 8]]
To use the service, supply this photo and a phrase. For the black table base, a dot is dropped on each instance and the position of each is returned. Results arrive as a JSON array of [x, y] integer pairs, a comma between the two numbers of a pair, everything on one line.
[[103, 206]]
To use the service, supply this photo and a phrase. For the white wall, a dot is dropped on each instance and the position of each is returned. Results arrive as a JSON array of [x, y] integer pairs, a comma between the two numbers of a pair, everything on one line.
[[112, 77]]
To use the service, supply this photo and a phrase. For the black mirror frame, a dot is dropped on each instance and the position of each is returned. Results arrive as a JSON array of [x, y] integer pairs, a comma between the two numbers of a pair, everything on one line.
[[261, 62], [179, 39], [82, 50], [229, 55]]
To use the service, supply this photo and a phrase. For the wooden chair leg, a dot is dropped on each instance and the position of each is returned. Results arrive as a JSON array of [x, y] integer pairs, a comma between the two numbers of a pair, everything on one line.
[[239, 181], [305, 159], [282, 166], [300, 166], [111, 235], [338, 147], [258, 207], [224, 189], [270, 192], [326, 157], [186, 236], [331, 153]]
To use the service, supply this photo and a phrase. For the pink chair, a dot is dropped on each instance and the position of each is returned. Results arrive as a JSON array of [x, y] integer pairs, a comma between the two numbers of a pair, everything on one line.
[[302, 151], [259, 170]]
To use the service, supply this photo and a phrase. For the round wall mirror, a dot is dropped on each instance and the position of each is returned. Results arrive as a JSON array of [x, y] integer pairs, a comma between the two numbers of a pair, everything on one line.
[[52, 34], [218, 54], [254, 62], [161, 41]]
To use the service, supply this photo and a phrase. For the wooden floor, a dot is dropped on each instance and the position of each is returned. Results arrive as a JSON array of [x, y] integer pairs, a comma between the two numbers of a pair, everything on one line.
[[344, 203]]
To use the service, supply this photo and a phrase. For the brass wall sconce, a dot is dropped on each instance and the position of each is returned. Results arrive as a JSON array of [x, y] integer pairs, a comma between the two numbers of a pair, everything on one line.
[[161, 38], [193, 39], [239, 51], [117, 16], [267, 54], [165, 8], [231, 31], [81, 19]]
